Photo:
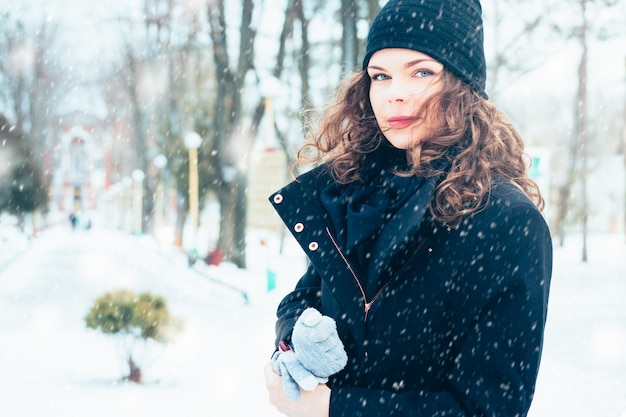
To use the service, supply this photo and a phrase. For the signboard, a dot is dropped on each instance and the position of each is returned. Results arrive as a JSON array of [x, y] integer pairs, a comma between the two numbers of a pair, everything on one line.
[[268, 173]]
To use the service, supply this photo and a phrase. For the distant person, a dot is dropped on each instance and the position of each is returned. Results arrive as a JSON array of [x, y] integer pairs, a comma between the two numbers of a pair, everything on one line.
[[73, 220], [426, 242]]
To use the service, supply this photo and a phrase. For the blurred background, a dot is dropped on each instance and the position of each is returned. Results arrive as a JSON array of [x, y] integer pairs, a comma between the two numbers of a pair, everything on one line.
[[171, 121], [104, 105]]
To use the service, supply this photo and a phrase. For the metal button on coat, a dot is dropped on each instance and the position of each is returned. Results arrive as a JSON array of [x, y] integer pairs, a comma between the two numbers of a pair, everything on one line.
[[278, 198], [299, 227]]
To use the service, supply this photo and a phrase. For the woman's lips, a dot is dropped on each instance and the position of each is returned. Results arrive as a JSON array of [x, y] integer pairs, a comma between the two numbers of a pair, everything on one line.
[[400, 122]]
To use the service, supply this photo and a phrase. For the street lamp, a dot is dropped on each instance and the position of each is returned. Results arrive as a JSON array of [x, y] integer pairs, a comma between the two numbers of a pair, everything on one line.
[[160, 161], [138, 177], [192, 142]]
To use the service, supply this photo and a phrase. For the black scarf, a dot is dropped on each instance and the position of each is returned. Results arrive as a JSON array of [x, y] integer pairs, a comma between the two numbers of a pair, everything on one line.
[[360, 210]]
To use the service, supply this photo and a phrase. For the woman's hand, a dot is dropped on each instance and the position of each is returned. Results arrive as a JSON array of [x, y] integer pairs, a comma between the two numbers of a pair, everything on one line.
[[314, 403]]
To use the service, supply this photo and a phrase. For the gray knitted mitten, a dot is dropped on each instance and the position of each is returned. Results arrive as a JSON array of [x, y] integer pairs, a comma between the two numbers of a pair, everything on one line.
[[294, 374], [317, 354]]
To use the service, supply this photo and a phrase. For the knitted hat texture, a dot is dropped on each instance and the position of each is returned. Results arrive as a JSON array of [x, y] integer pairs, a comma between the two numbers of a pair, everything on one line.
[[450, 31]]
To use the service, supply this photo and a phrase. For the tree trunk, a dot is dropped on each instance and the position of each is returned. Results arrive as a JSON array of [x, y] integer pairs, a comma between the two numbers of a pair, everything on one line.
[[134, 374], [239, 251], [624, 151], [373, 7], [226, 240], [581, 130], [305, 57], [182, 208], [139, 124], [576, 147], [350, 44], [227, 120], [222, 124]]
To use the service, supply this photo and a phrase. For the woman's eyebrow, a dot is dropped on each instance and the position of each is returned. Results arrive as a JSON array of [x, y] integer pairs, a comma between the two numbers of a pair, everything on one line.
[[418, 61], [407, 65]]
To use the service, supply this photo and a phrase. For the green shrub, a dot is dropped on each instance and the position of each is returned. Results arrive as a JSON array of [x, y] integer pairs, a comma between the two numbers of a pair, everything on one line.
[[136, 318]]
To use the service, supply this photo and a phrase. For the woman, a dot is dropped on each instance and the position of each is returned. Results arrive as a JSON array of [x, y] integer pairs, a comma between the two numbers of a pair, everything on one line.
[[424, 233]]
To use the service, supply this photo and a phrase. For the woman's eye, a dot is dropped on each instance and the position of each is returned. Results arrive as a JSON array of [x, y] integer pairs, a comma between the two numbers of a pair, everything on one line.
[[380, 77], [423, 73]]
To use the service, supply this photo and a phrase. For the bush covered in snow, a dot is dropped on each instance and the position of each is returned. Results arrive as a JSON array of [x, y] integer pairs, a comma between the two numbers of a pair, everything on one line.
[[135, 320]]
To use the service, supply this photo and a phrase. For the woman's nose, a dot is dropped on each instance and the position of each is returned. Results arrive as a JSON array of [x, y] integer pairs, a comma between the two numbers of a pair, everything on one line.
[[397, 92]]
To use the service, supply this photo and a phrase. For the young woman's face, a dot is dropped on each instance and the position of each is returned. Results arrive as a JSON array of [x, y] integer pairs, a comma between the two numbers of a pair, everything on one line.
[[401, 80]]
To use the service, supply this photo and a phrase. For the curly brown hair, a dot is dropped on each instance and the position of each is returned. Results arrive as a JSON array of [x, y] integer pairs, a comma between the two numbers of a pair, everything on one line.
[[474, 137]]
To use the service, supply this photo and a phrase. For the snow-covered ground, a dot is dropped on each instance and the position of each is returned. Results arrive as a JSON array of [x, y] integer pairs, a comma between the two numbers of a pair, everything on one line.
[[12, 240], [583, 370], [51, 365]]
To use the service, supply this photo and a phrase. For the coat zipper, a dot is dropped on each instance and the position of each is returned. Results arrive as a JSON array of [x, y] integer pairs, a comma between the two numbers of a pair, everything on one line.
[[367, 305]]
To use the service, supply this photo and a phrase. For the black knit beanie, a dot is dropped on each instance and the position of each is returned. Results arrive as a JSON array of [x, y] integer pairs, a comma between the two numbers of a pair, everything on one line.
[[450, 31]]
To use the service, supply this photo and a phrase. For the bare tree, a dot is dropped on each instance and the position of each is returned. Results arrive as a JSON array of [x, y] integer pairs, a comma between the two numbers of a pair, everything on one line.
[[294, 12], [518, 35], [624, 147], [582, 124], [156, 72], [581, 142], [578, 143], [229, 140], [305, 58], [350, 43], [30, 74], [30, 79]]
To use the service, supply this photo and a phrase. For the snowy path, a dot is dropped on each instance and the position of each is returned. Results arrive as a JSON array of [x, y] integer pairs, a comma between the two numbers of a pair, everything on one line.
[[51, 365]]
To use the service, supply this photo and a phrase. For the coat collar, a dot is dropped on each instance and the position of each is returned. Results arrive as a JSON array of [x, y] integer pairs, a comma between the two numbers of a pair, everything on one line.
[[394, 236], [300, 208]]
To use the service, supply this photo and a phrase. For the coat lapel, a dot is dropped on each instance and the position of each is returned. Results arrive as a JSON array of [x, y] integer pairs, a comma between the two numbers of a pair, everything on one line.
[[299, 207], [399, 232]]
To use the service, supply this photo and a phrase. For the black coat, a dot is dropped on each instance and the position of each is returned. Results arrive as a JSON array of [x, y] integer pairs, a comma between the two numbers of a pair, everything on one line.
[[453, 326]]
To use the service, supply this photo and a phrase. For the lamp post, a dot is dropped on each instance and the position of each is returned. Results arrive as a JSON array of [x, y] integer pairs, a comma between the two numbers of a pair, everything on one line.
[[264, 178], [160, 161], [192, 143], [138, 177]]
